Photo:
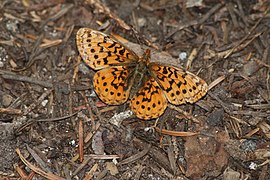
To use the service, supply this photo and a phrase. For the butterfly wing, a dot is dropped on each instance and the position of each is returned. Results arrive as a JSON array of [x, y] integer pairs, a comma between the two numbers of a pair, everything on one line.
[[111, 84], [178, 85], [99, 50], [149, 102]]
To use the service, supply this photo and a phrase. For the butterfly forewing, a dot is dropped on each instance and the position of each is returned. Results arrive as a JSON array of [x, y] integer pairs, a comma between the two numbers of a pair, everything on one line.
[[99, 50], [178, 85]]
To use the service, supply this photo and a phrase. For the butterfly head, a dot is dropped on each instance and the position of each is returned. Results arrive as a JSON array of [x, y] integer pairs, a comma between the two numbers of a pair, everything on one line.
[[146, 56]]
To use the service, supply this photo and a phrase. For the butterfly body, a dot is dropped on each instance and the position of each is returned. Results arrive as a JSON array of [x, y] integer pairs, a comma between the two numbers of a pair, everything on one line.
[[122, 75], [139, 74]]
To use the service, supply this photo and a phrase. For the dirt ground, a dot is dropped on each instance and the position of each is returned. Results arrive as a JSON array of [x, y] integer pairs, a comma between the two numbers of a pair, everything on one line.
[[53, 126]]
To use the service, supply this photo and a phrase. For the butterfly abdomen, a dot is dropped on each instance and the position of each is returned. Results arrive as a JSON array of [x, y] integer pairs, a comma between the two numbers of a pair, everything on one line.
[[138, 79]]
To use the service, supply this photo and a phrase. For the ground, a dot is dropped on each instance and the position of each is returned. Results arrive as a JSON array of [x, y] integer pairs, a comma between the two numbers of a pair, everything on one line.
[[54, 126]]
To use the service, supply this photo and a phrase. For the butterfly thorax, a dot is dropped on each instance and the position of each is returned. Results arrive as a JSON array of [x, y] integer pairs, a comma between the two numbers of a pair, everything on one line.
[[140, 73]]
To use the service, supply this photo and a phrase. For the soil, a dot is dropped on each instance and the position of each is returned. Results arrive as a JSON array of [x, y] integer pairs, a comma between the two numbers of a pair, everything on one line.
[[54, 126]]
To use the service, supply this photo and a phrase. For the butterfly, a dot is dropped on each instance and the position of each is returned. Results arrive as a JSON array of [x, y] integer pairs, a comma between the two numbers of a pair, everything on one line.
[[122, 75]]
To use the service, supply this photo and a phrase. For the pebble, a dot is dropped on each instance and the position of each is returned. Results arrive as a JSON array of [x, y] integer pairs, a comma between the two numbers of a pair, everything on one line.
[[7, 100]]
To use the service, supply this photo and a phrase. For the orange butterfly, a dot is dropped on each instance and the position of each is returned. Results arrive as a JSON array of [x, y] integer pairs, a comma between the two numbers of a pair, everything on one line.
[[122, 75]]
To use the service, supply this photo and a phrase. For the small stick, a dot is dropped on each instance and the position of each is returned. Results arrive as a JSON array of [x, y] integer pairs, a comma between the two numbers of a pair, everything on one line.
[[81, 145]]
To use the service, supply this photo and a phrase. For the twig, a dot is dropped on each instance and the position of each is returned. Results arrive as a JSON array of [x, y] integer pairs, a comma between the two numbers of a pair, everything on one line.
[[195, 22], [10, 111], [18, 77], [175, 133], [136, 156], [58, 15], [81, 140], [47, 175], [31, 121], [104, 9], [184, 113], [36, 103], [34, 52]]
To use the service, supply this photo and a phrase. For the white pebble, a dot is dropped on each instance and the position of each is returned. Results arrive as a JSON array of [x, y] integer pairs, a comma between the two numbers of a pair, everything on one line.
[[44, 103], [183, 56]]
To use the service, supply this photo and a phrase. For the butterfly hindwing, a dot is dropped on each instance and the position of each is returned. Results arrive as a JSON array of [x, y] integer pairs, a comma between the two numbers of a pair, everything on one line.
[[111, 85], [149, 102]]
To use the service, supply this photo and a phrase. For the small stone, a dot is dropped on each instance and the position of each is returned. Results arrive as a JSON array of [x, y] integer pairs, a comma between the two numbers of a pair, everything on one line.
[[83, 68], [250, 68], [141, 22], [182, 56], [7, 100], [253, 166], [112, 168], [97, 143], [44, 103]]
